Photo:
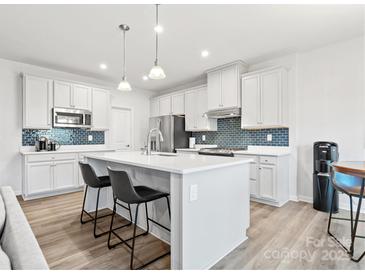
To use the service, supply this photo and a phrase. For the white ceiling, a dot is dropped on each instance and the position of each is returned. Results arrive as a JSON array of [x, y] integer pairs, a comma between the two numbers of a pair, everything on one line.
[[77, 38]]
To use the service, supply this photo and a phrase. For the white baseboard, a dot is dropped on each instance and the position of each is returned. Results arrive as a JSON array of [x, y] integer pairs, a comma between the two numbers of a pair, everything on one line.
[[306, 199], [293, 198]]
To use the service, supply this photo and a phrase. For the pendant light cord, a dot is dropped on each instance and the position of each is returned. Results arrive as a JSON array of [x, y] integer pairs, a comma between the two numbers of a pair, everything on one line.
[[124, 49], [156, 60]]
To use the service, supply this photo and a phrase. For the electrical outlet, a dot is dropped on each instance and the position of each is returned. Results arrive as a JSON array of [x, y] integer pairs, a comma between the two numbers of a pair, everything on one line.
[[193, 193], [269, 137], [90, 138], [203, 138]]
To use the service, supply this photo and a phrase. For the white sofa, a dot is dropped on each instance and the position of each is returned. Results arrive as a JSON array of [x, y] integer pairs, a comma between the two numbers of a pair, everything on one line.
[[19, 248]]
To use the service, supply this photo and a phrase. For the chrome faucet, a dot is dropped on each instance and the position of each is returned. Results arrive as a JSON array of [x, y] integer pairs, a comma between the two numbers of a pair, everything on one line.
[[148, 152]]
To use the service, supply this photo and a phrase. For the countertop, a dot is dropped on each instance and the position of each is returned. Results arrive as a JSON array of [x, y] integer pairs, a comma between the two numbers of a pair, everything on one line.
[[196, 148], [173, 163], [253, 150], [66, 149], [264, 151]]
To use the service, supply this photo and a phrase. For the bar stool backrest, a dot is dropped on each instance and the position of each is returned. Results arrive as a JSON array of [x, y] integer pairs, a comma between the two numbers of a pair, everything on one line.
[[89, 175], [122, 187]]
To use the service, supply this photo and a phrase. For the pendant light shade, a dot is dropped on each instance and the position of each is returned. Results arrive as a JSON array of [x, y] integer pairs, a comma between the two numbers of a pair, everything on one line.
[[156, 72], [124, 85]]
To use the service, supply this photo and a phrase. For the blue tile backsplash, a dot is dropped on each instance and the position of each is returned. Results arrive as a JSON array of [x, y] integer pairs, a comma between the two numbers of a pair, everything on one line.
[[230, 135], [65, 136]]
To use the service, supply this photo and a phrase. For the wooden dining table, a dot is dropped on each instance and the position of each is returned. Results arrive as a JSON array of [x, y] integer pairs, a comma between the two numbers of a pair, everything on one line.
[[356, 189]]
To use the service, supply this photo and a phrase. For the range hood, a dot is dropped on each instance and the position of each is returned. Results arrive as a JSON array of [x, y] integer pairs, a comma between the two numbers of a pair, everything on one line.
[[223, 113]]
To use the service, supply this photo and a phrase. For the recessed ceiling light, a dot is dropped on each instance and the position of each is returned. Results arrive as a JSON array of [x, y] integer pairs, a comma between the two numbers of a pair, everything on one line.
[[145, 78], [205, 53], [103, 66], [158, 28]]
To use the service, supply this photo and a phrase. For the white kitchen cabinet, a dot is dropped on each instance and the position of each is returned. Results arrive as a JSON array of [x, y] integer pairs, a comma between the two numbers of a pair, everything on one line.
[[224, 89], [69, 95], [49, 174], [171, 104], [250, 101], [154, 107], [62, 93], [269, 179], [64, 174], [265, 99], [165, 105], [195, 108], [214, 90], [178, 104], [100, 109], [39, 177], [81, 97], [37, 102]]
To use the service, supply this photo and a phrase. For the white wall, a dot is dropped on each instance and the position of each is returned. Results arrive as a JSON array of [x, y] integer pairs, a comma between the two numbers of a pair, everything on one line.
[[330, 104], [11, 113]]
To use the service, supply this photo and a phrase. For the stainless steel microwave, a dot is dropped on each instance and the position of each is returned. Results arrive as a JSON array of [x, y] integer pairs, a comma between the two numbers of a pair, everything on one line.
[[70, 117]]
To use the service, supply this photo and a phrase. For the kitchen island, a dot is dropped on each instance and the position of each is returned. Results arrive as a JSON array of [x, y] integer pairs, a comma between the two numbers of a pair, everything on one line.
[[209, 201]]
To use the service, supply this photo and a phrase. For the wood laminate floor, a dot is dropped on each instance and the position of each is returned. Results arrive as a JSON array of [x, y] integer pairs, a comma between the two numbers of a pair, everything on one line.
[[291, 237]]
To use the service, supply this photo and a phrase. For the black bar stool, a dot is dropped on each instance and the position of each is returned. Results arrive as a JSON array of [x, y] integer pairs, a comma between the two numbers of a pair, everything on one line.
[[353, 187], [124, 191], [91, 180]]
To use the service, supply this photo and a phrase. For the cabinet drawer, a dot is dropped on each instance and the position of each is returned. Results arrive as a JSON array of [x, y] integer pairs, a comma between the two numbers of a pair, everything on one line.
[[269, 160], [51, 157]]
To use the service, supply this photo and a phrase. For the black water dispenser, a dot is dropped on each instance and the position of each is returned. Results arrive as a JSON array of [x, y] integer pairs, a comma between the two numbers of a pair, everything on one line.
[[324, 153]]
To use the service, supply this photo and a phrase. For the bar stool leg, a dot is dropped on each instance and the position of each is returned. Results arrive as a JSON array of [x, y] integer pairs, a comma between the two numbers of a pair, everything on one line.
[[134, 237], [351, 219], [356, 223], [331, 211], [147, 219], [96, 216], [111, 223], [83, 206], [168, 207]]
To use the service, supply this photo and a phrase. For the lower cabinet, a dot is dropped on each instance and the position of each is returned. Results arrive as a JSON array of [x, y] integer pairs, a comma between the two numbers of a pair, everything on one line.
[[39, 177], [269, 179], [49, 173], [64, 174]]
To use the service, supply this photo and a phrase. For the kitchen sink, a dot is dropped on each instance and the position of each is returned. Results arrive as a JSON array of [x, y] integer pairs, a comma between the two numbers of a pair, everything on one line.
[[166, 154]]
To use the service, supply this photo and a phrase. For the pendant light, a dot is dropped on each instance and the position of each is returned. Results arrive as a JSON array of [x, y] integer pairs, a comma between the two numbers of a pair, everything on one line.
[[124, 85], [157, 72]]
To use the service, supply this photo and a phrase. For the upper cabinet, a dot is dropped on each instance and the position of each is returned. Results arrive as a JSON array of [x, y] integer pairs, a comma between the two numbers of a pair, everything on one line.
[[69, 95], [195, 108], [265, 99], [41, 95], [172, 104], [154, 107], [81, 97], [37, 102], [100, 109], [165, 105], [224, 86], [178, 104]]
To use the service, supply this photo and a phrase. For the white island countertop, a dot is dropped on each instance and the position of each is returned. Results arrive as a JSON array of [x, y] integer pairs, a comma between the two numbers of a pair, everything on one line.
[[170, 162]]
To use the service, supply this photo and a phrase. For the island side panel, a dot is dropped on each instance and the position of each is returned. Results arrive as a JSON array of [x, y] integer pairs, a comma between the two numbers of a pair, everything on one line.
[[176, 187], [216, 222]]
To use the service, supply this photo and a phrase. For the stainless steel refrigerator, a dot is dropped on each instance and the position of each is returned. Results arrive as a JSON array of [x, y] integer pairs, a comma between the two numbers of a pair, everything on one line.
[[173, 133]]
